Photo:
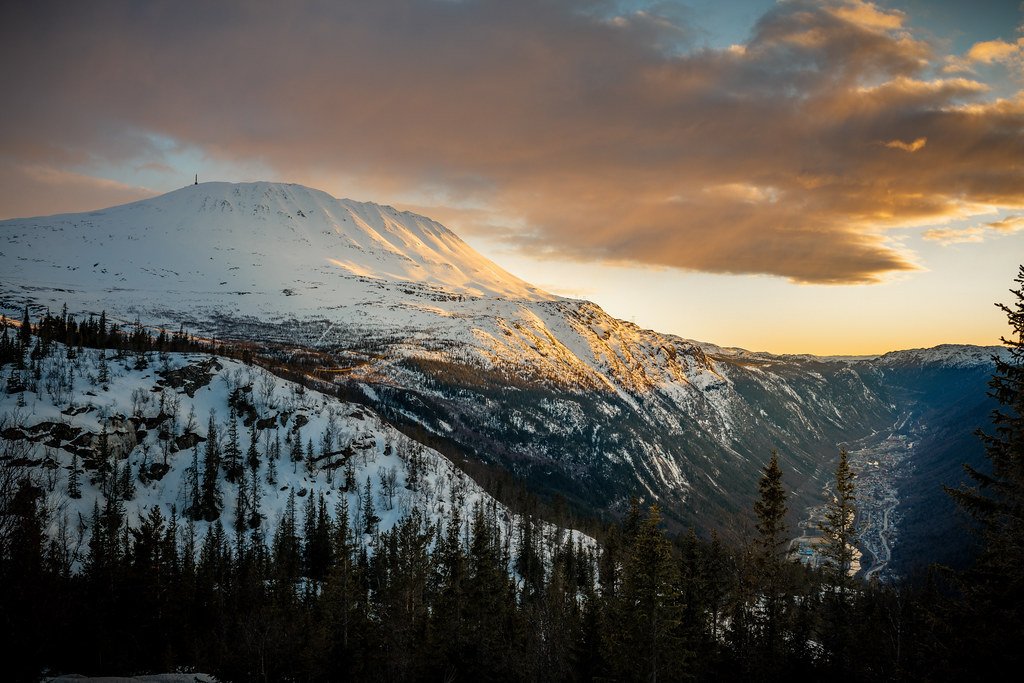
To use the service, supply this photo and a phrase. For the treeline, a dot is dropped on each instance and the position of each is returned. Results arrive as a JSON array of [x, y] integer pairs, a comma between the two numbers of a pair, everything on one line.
[[92, 332], [324, 601]]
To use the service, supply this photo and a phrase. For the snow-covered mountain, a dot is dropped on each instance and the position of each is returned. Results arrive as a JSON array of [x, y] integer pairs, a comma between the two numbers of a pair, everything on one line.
[[438, 338]]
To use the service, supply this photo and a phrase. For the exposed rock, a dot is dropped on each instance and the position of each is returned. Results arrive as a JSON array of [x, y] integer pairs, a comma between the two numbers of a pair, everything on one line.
[[191, 378]]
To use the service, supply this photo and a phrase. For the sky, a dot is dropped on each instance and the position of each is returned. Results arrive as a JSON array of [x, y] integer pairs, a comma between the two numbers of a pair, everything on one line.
[[802, 176]]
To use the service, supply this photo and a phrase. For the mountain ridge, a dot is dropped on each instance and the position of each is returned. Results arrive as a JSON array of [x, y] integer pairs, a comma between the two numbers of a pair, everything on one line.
[[556, 390]]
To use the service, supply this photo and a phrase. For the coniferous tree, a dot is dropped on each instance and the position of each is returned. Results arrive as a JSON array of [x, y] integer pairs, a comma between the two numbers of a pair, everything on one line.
[[839, 524], [195, 501], [310, 458], [287, 552], [74, 484], [241, 522], [127, 480], [643, 614], [211, 497], [103, 374], [252, 456], [232, 451], [254, 476], [272, 471], [840, 532], [370, 518], [992, 613], [25, 332], [771, 510]]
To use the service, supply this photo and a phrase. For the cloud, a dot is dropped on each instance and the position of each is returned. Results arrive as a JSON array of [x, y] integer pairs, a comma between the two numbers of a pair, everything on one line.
[[577, 131], [917, 144], [976, 233], [991, 51], [987, 52], [948, 236], [1007, 225], [23, 189]]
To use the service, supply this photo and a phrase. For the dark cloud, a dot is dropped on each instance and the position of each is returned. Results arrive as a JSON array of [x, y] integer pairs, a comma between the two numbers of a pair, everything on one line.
[[608, 135]]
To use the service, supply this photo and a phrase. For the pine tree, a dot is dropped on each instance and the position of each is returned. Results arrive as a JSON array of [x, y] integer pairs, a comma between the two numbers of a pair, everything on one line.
[[103, 375], [644, 611], [74, 485], [252, 456], [310, 458], [25, 333], [241, 506], [232, 451], [195, 504], [254, 476], [287, 552], [837, 549], [350, 475], [370, 518], [211, 498], [272, 471], [769, 563], [992, 614], [771, 510], [838, 525], [127, 480]]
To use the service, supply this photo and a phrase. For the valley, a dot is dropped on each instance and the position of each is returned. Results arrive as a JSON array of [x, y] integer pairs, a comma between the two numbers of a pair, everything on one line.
[[881, 463]]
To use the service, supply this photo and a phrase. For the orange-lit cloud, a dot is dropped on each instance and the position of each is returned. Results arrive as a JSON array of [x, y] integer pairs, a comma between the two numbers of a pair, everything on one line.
[[975, 233], [593, 135], [991, 51], [917, 144], [23, 189], [987, 52]]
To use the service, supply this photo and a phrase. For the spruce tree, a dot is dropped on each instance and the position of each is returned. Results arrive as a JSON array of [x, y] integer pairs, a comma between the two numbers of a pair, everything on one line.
[[25, 333], [992, 612], [127, 480], [272, 471], [310, 458], [254, 476], [252, 456], [103, 375], [644, 612], [232, 451], [241, 505], [195, 503], [769, 561], [771, 510], [370, 518], [837, 549], [838, 525], [211, 497], [74, 485]]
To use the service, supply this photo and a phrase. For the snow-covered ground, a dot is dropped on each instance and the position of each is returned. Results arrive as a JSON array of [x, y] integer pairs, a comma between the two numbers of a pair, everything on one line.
[[152, 414]]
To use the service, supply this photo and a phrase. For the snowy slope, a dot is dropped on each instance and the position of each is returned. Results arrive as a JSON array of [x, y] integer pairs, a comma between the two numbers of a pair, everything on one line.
[[153, 414], [312, 270], [944, 356], [217, 240]]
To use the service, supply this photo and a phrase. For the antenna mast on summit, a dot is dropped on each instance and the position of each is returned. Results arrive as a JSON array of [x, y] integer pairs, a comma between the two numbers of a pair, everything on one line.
[[197, 179]]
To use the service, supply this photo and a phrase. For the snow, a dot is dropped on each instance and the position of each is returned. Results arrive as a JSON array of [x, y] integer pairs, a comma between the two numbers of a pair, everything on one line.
[[374, 446]]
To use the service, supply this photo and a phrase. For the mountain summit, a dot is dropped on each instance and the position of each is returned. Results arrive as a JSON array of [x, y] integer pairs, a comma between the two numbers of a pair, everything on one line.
[[260, 240]]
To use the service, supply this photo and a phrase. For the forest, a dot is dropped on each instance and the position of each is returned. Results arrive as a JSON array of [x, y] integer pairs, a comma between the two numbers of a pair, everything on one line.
[[330, 596]]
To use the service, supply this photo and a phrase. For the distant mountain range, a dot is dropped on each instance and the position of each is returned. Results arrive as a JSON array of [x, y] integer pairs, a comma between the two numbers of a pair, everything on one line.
[[477, 363]]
